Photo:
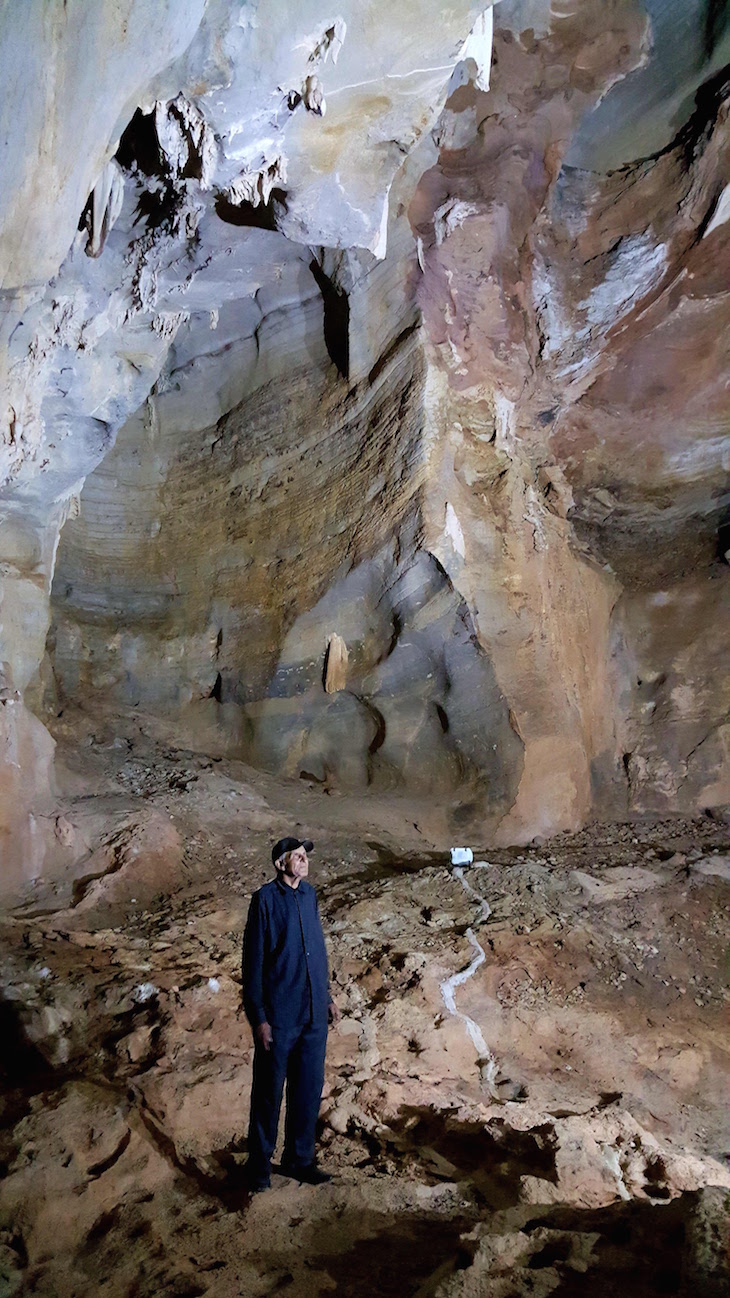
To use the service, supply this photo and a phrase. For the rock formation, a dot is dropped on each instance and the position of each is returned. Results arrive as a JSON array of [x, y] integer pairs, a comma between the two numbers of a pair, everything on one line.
[[527, 1091], [364, 462], [188, 211]]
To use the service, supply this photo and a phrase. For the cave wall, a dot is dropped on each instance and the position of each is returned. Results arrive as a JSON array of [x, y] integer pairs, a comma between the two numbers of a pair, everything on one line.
[[208, 566], [543, 460], [577, 303], [124, 134], [669, 652]]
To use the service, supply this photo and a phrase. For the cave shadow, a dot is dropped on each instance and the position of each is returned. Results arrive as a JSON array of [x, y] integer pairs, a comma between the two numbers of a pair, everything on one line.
[[402, 1254], [223, 1179], [490, 1160], [639, 1251], [21, 1062], [635, 1249], [24, 1070], [25, 1075]]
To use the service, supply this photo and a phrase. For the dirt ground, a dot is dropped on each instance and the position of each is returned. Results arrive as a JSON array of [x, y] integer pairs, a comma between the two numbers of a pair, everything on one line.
[[527, 1093]]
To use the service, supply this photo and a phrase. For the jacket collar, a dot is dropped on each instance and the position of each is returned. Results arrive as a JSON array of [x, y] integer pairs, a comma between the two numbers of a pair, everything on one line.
[[284, 887]]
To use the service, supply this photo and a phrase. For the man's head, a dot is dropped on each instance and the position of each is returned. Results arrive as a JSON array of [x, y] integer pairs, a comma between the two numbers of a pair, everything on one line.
[[290, 858]]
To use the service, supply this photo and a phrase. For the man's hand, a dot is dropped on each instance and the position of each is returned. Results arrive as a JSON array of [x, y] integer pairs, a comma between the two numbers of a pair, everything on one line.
[[333, 1013], [264, 1035]]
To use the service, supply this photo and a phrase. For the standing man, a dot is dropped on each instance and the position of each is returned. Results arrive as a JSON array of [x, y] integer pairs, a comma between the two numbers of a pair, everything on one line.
[[288, 1004]]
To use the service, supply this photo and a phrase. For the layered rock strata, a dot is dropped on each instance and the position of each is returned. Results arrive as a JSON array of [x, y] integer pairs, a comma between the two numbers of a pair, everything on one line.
[[546, 455], [213, 127]]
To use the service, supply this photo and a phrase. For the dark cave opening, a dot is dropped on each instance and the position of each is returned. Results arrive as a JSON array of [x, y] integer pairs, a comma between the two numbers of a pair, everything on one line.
[[336, 319]]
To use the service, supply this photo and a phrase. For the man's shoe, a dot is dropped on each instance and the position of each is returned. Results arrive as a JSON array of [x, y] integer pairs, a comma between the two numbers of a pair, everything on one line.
[[255, 1181], [307, 1175]]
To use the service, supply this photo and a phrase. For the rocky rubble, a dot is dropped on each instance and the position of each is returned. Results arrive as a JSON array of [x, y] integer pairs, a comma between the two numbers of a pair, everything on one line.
[[580, 1148], [404, 329]]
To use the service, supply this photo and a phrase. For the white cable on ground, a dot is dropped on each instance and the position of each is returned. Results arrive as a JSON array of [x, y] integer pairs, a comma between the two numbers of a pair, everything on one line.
[[487, 1062], [485, 909]]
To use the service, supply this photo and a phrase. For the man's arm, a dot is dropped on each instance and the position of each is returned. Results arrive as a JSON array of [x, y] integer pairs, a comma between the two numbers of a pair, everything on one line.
[[252, 970], [333, 1011]]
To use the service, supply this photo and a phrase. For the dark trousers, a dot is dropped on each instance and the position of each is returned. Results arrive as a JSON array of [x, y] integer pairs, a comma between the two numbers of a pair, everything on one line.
[[297, 1057]]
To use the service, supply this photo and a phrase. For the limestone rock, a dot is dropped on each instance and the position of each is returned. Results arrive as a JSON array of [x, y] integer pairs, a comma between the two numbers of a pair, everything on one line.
[[617, 883], [344, 344], [717, 866], [335, 670]]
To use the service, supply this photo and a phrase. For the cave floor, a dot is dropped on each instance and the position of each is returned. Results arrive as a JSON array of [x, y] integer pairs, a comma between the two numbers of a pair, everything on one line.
[[527, 1093]]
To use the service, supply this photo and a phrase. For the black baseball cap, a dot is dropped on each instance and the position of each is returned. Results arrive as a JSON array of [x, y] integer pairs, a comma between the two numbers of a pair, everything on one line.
[[285, 845]]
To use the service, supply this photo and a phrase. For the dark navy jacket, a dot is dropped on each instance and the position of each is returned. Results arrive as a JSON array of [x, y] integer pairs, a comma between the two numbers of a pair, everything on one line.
[[285, 977]]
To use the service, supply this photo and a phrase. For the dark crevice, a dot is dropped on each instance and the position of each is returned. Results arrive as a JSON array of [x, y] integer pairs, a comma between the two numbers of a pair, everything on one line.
[[193, 169], [336, 305], [692, 137], [139, 147], [716, 20], [314, 779], [22, 1061], [139, 152], [103, 1165], [554, 1251], [378, 721], [379, 737], [158, 209], [390, 351], [326, 665], [217, 690], [260, 216], [396, 629], [723, 542], [492, 1158]]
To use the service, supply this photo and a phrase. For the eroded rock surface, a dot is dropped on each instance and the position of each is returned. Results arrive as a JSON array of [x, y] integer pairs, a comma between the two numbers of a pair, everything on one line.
[[541, 463], [234, 170], [578, 1149], [364, 473]]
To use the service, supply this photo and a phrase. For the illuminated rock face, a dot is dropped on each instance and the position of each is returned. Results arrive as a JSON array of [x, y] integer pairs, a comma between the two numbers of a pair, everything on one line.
[[582, 436], [363, 476], [171, 167], [449, 387]]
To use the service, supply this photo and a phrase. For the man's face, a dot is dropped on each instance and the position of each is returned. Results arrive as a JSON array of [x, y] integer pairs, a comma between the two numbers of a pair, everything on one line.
[[296, 864]]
